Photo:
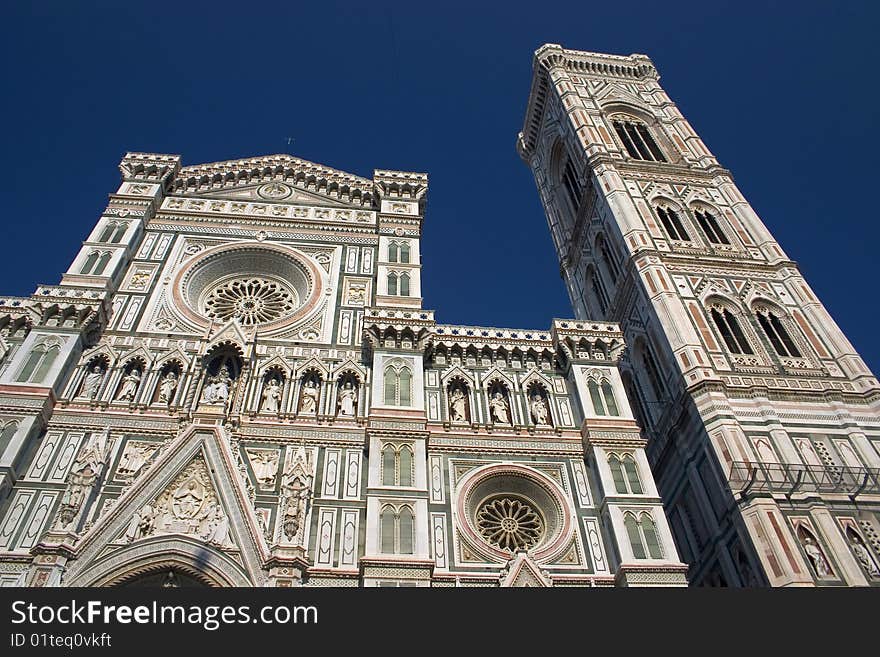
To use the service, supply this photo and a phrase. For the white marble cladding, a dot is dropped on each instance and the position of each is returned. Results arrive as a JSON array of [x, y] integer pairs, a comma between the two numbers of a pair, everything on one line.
[[268, 210]]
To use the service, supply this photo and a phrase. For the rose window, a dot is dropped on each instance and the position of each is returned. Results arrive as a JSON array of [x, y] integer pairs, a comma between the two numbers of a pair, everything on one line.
[[510, 523], [250, 300]]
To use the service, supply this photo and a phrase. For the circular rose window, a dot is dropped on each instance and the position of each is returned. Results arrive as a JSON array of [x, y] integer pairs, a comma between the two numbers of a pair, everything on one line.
[[250, 300], [504, 508], [257, 285], [510, 523]]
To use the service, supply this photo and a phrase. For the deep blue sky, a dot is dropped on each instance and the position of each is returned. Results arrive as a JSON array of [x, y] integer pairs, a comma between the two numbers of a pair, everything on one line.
[[783, 93]]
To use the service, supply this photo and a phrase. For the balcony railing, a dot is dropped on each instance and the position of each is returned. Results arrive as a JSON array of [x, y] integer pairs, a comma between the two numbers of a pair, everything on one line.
[[791, 478]]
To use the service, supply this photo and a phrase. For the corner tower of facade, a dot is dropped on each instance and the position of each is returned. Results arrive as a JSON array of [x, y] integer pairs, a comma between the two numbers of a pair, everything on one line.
[[236, 384], [762, 421]]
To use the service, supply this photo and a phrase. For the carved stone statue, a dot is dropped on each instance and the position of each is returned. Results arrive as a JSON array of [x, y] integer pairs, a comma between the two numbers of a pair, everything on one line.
[[539, 410], [133, 459], [141, 524], [265, 464], [83, 475], [272, 397], [862, 554], [820, 565], [499, 409], [129, 387], [309, 398], [167, 386], [458, 405], [296, 490], [92, 382], [217, 389], [348, 400]]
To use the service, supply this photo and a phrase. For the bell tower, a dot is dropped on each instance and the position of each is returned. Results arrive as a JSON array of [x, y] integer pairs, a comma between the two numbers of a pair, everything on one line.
[[762, 420]]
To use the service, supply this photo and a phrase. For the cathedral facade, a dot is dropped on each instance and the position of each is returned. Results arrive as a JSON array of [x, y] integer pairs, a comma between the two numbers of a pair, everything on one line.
[[762, 422], [235, 384]]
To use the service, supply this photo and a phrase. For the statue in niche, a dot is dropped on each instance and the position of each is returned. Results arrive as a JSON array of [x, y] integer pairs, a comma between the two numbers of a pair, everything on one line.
[[499, 409], [92, 382], [82, 477], [458, 405], [347, 404], [296, 490], [539, 410], [167, 386], [309, 402], [862, 554], [272, 396], [218, 387], [130, 383], [817, 559]]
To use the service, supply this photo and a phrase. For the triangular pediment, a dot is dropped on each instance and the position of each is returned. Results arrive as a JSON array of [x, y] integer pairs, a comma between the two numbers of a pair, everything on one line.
[[189, 499], [522, 571], [272, 193], [275, 179]]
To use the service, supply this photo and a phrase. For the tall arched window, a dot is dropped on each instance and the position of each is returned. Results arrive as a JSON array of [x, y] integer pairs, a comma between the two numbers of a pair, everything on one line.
[[730, 331], [102, 263], [672, 223], [404, 253], [397, 530], [89, 263], [651, 370], [120, 232], [6, 435], [625, 474], [404, 285], [398, 386], [405, 525], [107, 234], [389, 465], [602, 396], [642, 533], [710, 227], [637, 139], [392, 252], [38, 363], [776, 332], [46, 364], [569, 181], [598, 291], [405, 466], [387, 522], [608, 260], [392, 283]]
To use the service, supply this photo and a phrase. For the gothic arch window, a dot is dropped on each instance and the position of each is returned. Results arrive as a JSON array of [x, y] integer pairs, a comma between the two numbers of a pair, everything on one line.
[[7, 431], [672, 223], [710, 226], [38, 363], [398, 251], [602, 396], [642, 533], [397, 529], [389, 466], [597, 290], [90, 262], [607, 259], [570, 183], [102, 261], [625, 473], [107, 234], [392, 284], [404, 285], [120, 233], [398, 385], [731, 332], [405, 466], [637, 400], [777, 332], [636, 138], [650, 369], [393, 252]]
